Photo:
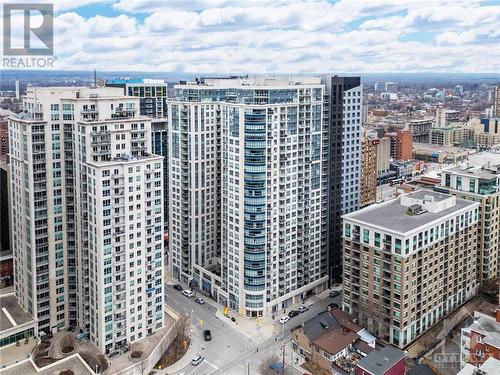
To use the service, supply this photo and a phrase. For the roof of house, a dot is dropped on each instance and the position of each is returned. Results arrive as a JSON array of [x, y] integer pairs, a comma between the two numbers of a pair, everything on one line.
[[363, 346], [335, 340], [334, 330], [379, 361]]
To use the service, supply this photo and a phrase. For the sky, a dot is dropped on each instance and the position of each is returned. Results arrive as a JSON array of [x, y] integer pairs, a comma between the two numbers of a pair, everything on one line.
[[278, 36]]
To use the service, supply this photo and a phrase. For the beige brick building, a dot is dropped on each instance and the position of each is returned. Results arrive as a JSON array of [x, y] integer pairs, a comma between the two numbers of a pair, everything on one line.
[[409, 262]]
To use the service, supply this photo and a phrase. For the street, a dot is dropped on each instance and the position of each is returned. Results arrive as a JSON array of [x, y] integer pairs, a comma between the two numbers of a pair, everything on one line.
[[225, 353]]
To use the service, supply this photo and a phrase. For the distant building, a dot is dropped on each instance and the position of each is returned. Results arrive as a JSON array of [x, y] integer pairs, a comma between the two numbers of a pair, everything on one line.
[[383, 155], [4, 139], [403, 145], [481, 339], [332, 341], [403, 168], [491, 125], [445, 116], [439, 154], [389, 96], [383, 86], [496, 102], [396, 281], [368, 184], [420, 128], [459, 90], [386, 361], [152, 94]]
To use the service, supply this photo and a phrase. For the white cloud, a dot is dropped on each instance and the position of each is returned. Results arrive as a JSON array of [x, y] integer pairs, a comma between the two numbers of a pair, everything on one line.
[[261, 36]]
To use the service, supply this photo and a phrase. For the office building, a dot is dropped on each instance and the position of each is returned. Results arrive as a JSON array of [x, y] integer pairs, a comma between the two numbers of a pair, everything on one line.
[[343, 114], [479, 181], [409, 262], [253, 150], [152, 94], [404, 145], [368, 183], [87, 214]]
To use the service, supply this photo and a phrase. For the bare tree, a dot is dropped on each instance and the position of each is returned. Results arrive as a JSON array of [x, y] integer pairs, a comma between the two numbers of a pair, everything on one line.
[[91, 361], [68, 343], [103, 362]]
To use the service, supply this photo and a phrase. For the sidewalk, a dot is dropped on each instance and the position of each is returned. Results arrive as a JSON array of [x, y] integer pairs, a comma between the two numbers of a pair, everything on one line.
[[194, 348]]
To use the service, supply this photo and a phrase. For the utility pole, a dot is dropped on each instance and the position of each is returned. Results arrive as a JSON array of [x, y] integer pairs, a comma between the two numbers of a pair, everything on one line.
[[283, 345]]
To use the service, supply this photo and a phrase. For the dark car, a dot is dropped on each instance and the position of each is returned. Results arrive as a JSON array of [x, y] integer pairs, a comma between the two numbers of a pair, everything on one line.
[[334, 294], [293, 313], [207, 335], [178, 287], [333, 306]]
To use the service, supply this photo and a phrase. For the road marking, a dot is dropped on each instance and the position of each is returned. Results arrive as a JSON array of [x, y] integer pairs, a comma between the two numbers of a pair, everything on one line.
[[12, 321], [215, 367]]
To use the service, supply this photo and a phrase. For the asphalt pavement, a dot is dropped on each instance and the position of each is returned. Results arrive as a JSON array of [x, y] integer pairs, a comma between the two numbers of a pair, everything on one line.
[[225, 353]]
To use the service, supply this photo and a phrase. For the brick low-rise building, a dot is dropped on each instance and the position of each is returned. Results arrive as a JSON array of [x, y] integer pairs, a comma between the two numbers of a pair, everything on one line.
[[481, 339]]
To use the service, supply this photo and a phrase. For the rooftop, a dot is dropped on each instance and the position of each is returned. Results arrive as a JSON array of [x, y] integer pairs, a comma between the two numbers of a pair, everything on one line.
[[250, 82], [379, 361], [11, 313], [437, 148], [487, 327], [490, 367], [393, 215]]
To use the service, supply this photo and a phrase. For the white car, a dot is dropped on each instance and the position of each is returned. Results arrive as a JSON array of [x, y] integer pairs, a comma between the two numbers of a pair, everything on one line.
[[197, 360], [284, 319], [303, 308], [188, 293]]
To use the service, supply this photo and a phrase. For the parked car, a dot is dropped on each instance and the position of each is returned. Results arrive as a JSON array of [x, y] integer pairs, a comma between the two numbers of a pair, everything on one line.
[[197, 360], [303, 308], [178, 287], [334, 294], [293, 313], [284, 319], [333, 306], [199, 300], [188, 293], [207, 335]]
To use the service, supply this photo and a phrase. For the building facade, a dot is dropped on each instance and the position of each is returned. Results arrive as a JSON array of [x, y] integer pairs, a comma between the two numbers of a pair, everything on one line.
[[343, 118], [152, 94], [479, 181], [87, 214], [254, 151], [368, 184], [409, 262], [404, 145]]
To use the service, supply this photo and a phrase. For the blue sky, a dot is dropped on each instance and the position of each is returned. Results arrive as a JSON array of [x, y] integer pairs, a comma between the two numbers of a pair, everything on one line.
[[288, 36]]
